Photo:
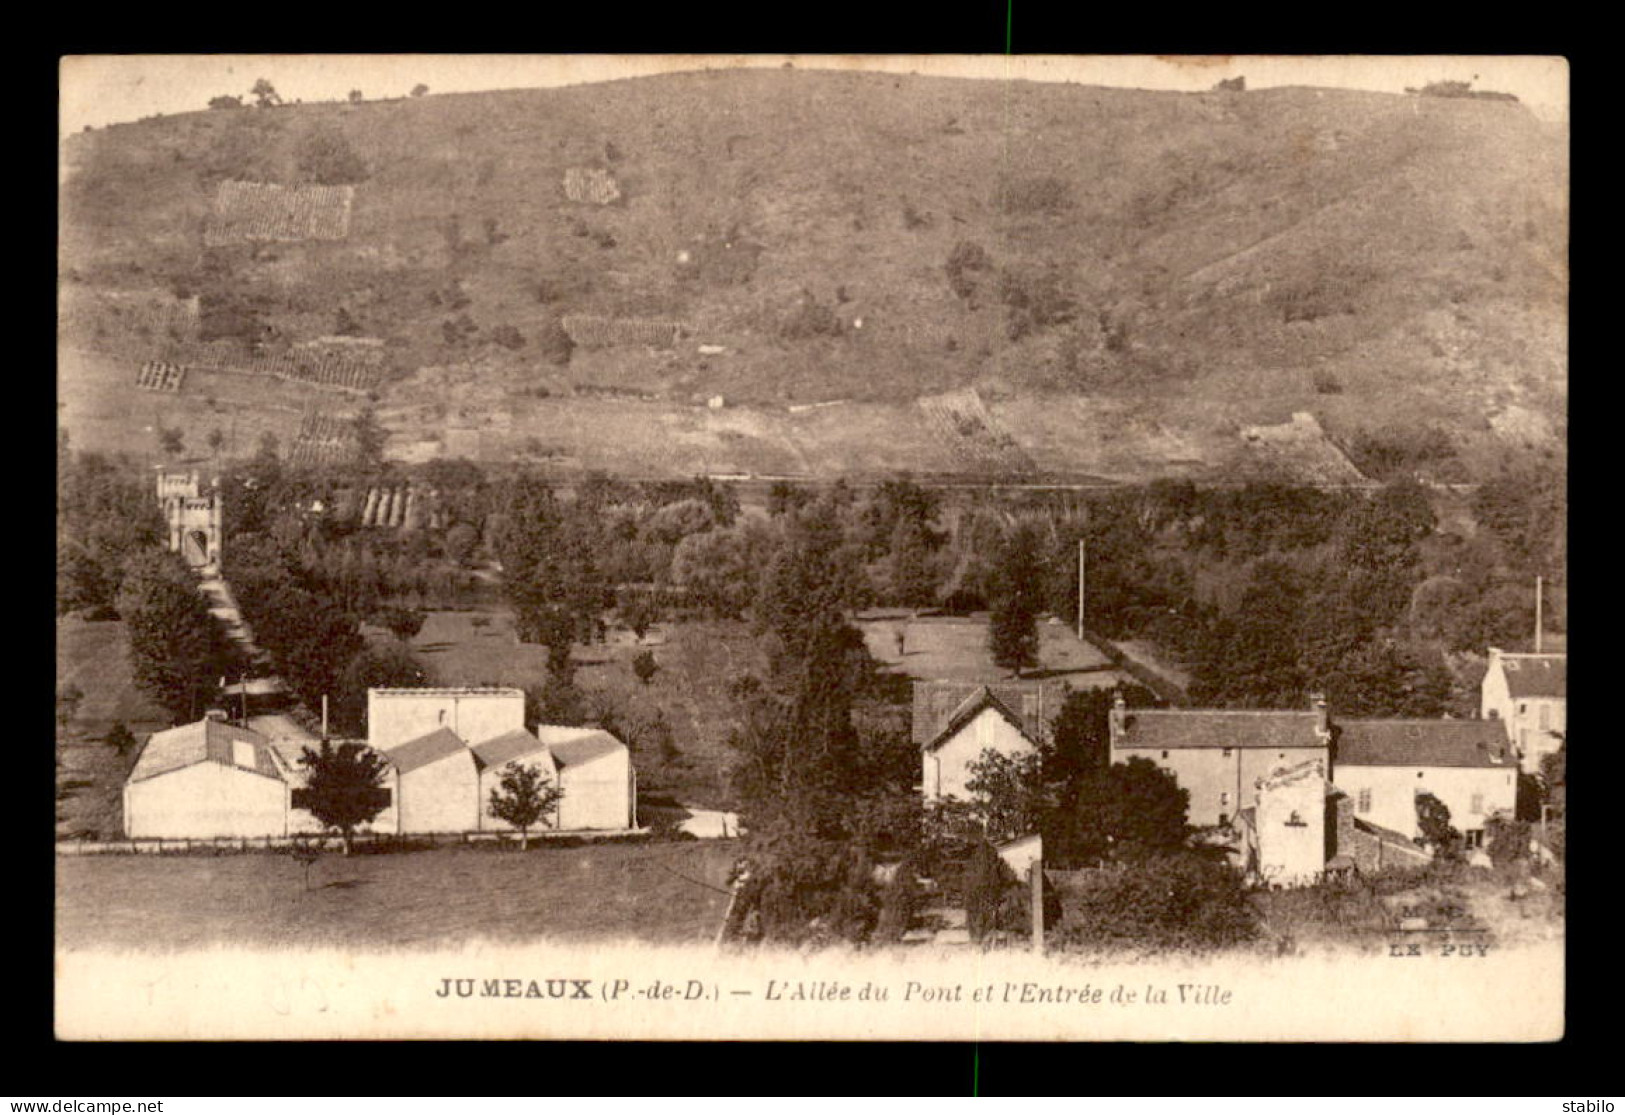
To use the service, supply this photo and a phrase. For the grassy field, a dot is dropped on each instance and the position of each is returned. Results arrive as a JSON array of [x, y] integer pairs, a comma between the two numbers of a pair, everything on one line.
[[648, 892], [94, 657], [955, 647]]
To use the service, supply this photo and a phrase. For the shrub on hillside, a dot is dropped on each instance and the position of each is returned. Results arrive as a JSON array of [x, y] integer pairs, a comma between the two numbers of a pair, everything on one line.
[[810, 318], [965, 264], [326, 158]]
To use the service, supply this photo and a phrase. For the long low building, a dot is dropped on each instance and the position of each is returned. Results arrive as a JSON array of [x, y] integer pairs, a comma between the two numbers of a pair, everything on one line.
[[218, 779]]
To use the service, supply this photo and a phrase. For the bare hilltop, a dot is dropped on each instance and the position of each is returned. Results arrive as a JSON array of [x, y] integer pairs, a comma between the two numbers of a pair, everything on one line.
[[786, 273]]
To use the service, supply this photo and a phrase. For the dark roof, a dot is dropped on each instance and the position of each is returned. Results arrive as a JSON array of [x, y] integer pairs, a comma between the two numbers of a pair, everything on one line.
[[423, 750], [575, 750], [1536, 675], [1175, 728], [1388, 835], [971, 707], [204, 741], [1422, 743], [507, 747], [937, 701]]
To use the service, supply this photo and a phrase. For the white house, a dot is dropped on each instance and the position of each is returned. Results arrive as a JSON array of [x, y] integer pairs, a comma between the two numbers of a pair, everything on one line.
[[395, 716], [206, 779], [1528, 694], [982, 722], [1467, 764]]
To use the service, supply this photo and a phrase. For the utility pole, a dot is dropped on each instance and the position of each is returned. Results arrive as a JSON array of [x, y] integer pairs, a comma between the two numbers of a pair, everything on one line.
[[1538, 624], [1035, 879], [1082, 568]]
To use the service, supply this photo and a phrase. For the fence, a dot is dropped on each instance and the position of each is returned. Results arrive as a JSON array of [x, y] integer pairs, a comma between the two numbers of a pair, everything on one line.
[[381, 842]]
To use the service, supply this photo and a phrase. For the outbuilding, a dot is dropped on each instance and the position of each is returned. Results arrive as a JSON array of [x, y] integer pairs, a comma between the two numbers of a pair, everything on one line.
[[203, 780]]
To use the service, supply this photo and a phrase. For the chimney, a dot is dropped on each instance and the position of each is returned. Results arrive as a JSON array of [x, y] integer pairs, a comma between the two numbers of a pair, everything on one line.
[[1117, 719], [1317, 702]]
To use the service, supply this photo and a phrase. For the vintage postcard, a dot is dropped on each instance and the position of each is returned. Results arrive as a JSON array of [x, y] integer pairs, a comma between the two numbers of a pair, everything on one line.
[[931, 547]]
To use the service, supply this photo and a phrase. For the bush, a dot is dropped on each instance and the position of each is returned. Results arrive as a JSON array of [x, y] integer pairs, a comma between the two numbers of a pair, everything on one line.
[[326, 158], [989, 887], [810, 318], [964, 263], [645, 667], [1182, 901]]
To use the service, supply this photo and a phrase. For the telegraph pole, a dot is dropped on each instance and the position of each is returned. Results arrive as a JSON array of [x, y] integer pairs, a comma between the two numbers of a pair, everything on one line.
[[1538, 624], [1082, 567]]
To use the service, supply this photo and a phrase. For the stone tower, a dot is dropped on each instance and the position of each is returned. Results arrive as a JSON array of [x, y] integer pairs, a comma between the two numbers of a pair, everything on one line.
[[192, 515]]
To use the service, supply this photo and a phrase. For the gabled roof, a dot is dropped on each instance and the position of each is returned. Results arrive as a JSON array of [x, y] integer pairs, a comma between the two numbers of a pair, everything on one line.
[[431, 748], [205, 741], [1388, 835], [970, 708], [1167, 729], [1422, 743], [1036, 701], [574, 746], [1536, 675], [508, 747]]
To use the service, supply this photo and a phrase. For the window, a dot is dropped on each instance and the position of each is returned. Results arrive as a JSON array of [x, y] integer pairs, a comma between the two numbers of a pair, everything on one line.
[[1227, 752], [1363, 803], [1224, 819], [1522, 708], [1165, 754], [1224, 798], [1474, 838], [1296, 821], [1478, 804]]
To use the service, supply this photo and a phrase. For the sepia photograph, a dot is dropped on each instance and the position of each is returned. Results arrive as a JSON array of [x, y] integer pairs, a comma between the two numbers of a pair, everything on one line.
[[928, 547]]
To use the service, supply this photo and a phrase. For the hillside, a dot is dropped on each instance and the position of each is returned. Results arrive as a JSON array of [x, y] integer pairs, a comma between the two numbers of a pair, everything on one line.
[[1127, 278]]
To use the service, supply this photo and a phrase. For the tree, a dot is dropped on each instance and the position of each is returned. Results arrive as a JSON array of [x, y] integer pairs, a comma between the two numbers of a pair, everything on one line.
[[120, 739], [172, 440], [460, 543], [225, 101], [419, 89], [345, 786], [177, 652], [524, 796], [305, 851], [326, 158], [217, 439], [639, 611], [1008, 794], [1433, 825], [1125, 808], [403, 623], [355, 96], [645, 667], [68, 699], [265, 94], [1017, 600], [374, 667], [369, 437]]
